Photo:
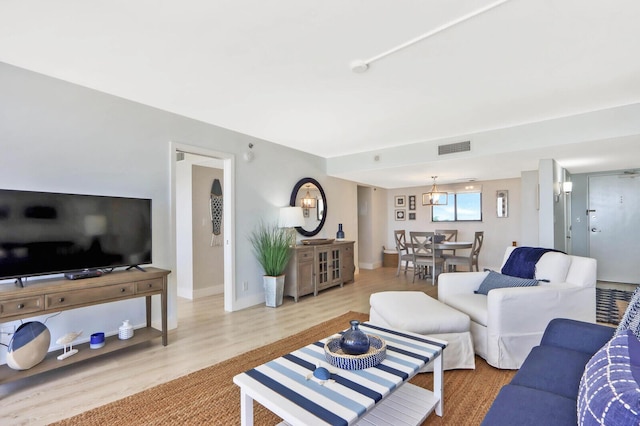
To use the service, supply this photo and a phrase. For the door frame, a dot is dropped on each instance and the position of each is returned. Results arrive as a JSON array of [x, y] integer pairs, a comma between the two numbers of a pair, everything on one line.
[[228, 213]]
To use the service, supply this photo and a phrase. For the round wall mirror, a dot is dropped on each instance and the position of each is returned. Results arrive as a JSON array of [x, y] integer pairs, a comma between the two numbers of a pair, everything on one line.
[[309, 195]]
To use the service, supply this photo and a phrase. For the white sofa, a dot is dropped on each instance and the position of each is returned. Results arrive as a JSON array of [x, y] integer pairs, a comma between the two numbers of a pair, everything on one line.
[[508, 322]]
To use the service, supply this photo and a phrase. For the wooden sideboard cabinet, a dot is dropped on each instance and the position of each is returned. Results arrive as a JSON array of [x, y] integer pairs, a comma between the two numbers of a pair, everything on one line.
[[313, 268], [54, 295]]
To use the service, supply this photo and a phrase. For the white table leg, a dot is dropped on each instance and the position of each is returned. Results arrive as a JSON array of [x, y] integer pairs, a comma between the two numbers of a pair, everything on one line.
[[246, 409], [438, 383]]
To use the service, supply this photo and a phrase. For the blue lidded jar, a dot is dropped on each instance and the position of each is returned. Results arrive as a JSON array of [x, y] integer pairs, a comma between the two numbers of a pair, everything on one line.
[[354, 341]]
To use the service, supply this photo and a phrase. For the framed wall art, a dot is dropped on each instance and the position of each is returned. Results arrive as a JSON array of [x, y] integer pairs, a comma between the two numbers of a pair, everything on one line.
[[412, 216], [401, 214], [400, 201], [412, 202], [502, 203]]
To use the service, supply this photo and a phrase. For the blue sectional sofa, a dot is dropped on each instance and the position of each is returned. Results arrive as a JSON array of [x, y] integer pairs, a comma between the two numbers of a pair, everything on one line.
[[545, 389]]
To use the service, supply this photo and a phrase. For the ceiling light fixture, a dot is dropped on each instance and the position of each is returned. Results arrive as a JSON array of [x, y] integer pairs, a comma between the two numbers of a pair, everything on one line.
[[434, 197], [308, 202], [360, 66]]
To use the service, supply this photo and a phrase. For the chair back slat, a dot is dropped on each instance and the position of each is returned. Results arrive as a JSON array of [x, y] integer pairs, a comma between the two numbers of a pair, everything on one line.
[[449, 234]]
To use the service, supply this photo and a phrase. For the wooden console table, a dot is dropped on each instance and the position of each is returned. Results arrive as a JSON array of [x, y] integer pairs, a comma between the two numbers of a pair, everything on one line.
[[54, 295], [313, 268]]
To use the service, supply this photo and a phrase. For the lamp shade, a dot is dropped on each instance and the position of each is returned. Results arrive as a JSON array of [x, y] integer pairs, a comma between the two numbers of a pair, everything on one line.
[[290, 217]]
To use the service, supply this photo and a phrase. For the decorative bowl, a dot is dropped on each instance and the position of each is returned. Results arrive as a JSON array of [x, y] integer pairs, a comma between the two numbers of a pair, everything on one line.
[[336, 357], [317, 241]]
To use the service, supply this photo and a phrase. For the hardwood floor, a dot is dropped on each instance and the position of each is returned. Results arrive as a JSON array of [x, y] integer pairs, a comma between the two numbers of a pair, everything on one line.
[[205, 335]]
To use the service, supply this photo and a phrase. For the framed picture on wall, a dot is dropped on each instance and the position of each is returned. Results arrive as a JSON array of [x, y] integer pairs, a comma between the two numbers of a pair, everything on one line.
[[412, 202], [401, 214], [412, 216], [400, 201], [502, 203]]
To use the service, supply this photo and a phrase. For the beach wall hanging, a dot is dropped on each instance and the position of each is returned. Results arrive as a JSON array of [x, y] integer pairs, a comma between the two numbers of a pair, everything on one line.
[[215, 211]]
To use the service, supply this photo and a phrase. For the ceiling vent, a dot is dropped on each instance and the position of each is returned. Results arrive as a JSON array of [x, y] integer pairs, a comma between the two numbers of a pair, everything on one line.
[[454, 147]]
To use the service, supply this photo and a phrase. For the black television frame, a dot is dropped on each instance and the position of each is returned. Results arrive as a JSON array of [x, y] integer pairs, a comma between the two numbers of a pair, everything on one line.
[[89, 268]]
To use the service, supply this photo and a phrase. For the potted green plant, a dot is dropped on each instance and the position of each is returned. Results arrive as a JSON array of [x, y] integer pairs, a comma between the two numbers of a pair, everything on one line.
[[271, 246]]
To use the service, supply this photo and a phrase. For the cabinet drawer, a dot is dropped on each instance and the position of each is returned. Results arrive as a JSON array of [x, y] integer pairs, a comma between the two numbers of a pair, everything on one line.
[[21, 306], [89, 295], [149, 286], [305, 255]]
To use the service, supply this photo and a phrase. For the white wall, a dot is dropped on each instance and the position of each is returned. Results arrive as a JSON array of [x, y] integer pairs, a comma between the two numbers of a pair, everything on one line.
[[529, 206], [372, 226], [61, 137], [498, 232]]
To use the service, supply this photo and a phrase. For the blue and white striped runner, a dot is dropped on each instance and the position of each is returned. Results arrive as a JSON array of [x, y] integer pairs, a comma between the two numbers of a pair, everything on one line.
[[354, 392]]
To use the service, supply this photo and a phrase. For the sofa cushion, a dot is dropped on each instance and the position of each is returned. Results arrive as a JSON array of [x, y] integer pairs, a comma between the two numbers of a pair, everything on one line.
[[576, 335], [631, 318], [518, 405], [609, 393], [553, 267], [495, 280], [552, 369], [474, 305]]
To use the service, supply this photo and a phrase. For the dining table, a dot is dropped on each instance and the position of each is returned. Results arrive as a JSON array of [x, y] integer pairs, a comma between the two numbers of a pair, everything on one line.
[[452, 245], [448, 245]]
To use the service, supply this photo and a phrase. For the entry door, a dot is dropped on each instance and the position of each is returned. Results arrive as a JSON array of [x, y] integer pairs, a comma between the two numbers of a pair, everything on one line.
[[614, 226]]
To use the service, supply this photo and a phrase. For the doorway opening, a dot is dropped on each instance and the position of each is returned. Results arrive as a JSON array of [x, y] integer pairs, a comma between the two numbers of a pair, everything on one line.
[[182, 248]]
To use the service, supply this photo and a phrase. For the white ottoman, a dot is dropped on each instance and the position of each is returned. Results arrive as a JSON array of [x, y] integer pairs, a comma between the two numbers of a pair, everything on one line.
[[416, 312]]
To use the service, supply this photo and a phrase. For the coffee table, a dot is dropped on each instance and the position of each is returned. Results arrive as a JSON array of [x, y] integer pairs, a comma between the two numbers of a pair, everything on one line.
[[376, 395]]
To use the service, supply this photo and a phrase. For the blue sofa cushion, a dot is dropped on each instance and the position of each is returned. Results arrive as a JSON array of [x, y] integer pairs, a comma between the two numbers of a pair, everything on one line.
[[495, 280], [631, 318], [553, 369], [521, 406], [576, 335], [609, 393]]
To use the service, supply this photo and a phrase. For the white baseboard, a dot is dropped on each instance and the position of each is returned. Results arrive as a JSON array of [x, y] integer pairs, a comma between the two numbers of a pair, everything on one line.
[[367, 265]]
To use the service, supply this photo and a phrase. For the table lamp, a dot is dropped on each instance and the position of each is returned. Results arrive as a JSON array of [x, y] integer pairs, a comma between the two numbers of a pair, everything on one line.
[[290, 217]]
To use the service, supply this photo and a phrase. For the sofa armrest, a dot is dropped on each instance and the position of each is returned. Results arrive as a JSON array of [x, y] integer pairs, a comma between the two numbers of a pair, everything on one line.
[[576, 335], [452, 284], [522, 310]]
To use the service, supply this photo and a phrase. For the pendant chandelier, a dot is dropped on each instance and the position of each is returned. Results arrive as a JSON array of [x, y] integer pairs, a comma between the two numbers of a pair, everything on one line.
[[308, 202], [434, 197]]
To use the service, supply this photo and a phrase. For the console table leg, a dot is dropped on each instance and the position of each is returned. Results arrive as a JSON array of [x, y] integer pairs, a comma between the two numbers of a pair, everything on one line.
[[246, 409], [163, 312], [148, 305]]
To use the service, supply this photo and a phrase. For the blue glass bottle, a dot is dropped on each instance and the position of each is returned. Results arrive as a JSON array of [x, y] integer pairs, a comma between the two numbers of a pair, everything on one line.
[[354, 341], [340, 233]]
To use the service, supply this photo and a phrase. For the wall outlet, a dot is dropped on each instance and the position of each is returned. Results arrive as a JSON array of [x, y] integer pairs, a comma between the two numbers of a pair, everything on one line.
[[245, 286]]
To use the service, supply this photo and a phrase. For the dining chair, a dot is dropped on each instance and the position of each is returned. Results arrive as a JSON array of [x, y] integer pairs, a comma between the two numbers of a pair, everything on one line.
[[449, 235], [424, 255], [403, 251], [472, 259]]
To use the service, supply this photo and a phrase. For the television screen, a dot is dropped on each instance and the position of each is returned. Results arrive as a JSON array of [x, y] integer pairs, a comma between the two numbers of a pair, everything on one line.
[[45, 233]]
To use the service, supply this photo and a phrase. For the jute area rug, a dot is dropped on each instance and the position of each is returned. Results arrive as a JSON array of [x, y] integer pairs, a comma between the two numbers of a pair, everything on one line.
[[209, 396]]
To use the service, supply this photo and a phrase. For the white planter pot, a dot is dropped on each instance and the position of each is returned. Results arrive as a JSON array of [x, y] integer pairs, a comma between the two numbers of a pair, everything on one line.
[[273, 290]]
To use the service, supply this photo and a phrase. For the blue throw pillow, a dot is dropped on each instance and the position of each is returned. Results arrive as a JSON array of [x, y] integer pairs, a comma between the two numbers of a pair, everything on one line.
[[631, 318], [496, 280], [609, 393]]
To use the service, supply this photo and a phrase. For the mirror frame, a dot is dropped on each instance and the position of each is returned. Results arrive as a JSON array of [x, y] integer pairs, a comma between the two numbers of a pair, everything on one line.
[[292, 203]]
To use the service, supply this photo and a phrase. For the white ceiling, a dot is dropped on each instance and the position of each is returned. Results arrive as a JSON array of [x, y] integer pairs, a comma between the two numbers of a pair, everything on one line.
[[280, 71]]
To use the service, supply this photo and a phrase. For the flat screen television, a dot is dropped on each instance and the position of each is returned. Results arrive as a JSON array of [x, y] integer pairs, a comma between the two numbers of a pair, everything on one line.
[[45, 233]]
